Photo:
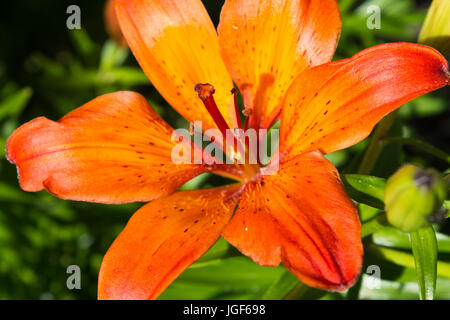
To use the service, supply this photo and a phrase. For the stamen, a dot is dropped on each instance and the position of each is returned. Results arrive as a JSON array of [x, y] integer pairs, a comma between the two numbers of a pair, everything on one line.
[[205, 93], [247, 113]]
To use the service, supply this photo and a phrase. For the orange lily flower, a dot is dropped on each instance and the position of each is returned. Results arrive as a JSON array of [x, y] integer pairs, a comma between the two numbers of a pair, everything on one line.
[[116, 149]]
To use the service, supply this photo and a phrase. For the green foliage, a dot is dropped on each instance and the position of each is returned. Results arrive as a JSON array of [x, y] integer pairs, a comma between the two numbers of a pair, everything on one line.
[[47, 70], [424, 247]]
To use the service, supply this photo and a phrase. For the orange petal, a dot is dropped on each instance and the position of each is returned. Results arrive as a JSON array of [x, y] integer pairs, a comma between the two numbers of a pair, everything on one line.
[[114, 149], [336, 105], [162, 239], [301, 217], [266, 44], [177, 47], [112, 25]]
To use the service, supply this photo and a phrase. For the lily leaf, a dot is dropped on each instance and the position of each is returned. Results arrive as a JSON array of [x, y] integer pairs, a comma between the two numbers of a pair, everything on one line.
[[394, 238], [446, 204], [405, 259], [376, 224], [365, 189], [112, 55], [12, 105], [424, 247], [281, 286]]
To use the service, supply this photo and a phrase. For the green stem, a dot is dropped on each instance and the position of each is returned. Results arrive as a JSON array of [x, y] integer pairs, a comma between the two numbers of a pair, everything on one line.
[[297, 292], [373, 225], [376, 144]]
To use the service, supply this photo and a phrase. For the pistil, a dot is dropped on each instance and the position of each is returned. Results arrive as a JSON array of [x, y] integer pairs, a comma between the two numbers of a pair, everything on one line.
[[205, 93]]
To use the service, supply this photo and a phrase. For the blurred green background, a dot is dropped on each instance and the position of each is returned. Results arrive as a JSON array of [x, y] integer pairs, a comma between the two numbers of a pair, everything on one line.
[[48, 70]]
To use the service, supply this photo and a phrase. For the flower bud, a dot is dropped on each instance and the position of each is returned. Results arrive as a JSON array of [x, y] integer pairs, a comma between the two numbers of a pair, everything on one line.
[[412, 195], [436, 28]]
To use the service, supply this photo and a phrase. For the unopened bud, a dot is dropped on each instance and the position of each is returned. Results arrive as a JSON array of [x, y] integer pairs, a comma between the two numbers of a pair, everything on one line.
[[412, 195], [436, 28]]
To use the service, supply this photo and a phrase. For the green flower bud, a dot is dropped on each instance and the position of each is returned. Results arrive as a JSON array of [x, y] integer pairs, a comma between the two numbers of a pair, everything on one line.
[[412, 195], [436, 28]]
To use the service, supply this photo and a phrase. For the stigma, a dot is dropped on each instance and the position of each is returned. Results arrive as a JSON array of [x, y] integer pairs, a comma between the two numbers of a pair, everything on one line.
[[205, 93]]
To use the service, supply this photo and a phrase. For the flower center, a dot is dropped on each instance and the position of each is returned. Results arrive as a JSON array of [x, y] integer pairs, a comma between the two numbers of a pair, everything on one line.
[[240, 146]]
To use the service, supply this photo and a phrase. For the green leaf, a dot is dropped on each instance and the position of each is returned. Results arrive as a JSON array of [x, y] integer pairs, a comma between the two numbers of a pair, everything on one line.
[[365, 189], [405, 259], [394, 238], [281, 286], [446, 204], [197, 182], [230, 278], [112, 55], [127, 76], [424, 247], [13, 194], [395, 290], [221, 250], [426, 147], [423, 106], [83, 43], [374, 225], [13, 104]]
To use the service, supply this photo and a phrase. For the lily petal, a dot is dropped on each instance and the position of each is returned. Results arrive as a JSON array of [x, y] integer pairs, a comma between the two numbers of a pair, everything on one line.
[[301, 217], [177, 47], [114, 149], [336, 105], [162, 239], [267, 43], [112, 25]]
